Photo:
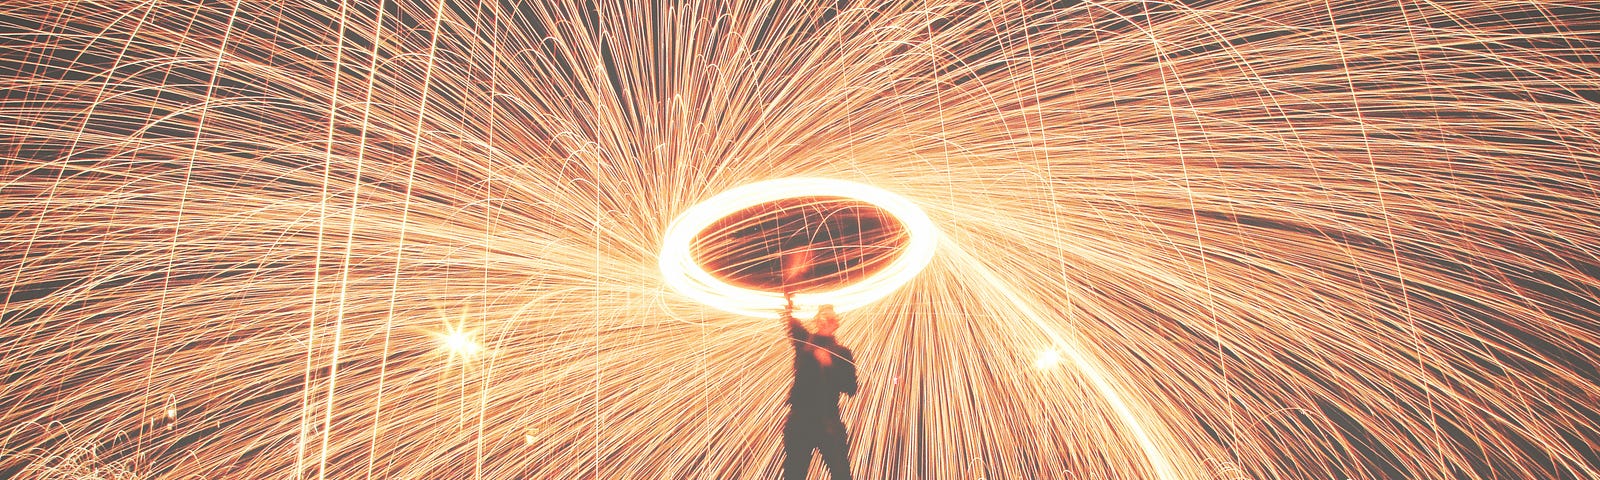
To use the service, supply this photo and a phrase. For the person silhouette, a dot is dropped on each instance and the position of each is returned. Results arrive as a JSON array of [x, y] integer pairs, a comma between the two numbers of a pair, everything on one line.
[[823, 369]]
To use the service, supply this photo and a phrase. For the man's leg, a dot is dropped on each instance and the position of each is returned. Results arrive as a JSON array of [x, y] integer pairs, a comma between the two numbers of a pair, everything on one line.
[[836, 450], [799, 440]]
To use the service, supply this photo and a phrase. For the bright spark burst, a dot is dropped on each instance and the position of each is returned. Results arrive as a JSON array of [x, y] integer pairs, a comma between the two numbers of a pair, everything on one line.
[[1266, 240], [1048, 359], [460, 343]]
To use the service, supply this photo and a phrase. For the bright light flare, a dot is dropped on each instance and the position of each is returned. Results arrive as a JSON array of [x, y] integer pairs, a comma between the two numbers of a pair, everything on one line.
[[459, 343], [1047, 359]]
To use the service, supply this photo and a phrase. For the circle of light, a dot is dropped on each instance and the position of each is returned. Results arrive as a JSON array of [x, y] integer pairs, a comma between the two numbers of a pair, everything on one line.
[[680, 270]]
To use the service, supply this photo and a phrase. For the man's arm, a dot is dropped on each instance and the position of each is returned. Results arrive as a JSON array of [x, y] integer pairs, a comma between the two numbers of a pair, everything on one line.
[[797, 332]]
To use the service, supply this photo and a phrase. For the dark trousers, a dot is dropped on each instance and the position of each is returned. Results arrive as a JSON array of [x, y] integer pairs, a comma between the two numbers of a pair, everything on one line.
[[803, 434]]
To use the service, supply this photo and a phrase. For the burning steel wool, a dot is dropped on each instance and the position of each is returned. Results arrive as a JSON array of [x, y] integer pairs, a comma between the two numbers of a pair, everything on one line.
[[450, 239]]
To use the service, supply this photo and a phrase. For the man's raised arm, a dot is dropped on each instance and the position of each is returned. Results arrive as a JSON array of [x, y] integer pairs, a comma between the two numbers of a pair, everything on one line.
[[797, 332]]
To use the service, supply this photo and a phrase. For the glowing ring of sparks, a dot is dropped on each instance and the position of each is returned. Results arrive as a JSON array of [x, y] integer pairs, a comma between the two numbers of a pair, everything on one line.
[[680, 270]]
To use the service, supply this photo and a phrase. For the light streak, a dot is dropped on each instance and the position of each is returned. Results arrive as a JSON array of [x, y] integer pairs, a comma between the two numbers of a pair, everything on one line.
[[1173, 240], [680, 270]]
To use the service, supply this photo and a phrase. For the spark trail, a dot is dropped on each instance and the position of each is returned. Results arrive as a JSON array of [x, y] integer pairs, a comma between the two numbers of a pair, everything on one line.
[[420, 239]]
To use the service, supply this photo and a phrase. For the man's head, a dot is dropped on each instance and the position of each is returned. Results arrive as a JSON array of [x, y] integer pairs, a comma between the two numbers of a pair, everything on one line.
[[827, 321]]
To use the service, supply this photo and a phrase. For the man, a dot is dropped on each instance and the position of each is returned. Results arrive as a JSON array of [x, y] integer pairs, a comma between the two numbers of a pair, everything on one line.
[[823, 369]]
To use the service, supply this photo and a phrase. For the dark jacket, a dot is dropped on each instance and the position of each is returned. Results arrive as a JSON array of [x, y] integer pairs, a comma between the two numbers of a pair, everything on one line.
[[816, 388]]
